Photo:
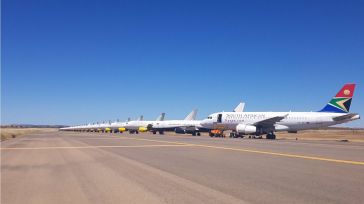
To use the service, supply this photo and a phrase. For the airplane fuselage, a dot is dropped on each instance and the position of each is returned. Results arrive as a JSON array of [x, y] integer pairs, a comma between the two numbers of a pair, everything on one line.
[[292, 121]]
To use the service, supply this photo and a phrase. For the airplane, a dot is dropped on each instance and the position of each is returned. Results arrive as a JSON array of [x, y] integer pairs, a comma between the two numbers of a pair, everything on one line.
[[259, 123], [141, 125], [187, 126], [119, 126]]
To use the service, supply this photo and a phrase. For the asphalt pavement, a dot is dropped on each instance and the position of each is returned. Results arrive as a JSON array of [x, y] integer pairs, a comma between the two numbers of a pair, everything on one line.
[[71, 167]]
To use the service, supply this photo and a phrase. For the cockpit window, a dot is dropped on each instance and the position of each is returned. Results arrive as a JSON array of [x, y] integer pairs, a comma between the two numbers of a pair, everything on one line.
[[209, 117]]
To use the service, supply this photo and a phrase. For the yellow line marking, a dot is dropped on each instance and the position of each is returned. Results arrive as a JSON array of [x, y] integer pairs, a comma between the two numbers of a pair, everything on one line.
[[92, 147], [258, 152]]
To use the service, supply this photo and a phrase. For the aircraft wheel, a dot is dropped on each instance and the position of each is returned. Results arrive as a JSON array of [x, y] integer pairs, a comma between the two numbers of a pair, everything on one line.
[[271, 136], [198, 134]]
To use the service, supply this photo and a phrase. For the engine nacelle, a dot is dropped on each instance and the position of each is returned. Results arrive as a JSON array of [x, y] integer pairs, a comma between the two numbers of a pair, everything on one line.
[[142, 129], [122, 129], [246, 129], [179, 131]]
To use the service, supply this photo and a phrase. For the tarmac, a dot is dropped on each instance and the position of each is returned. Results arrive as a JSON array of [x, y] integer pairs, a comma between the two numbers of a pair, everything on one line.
[[73, 167]]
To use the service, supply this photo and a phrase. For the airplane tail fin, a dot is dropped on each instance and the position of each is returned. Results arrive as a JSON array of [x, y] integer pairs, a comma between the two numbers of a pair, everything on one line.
[[342, 101], [240, 107], [141, 118], [192, 115], [161, 117]]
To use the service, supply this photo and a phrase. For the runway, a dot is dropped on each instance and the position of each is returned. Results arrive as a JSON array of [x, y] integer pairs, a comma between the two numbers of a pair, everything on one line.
[[68, 167]]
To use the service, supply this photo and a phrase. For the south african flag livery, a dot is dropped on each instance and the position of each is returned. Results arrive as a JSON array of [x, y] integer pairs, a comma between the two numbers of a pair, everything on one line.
[[341, 102]]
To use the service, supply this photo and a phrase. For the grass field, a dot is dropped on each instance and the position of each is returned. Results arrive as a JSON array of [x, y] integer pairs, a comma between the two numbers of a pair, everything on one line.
[[7, 133], [330, 134]]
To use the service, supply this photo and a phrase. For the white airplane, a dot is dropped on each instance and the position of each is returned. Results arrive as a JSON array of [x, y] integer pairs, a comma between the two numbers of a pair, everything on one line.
[[119, 126], [259, 123], [141, 125], [187, 126]]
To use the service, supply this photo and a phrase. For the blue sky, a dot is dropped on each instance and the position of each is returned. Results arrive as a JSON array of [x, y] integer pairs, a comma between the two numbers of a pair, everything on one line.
[[71, 62]]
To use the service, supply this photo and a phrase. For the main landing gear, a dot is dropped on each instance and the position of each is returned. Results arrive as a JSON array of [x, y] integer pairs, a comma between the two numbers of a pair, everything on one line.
[[271, 136], [196, 134], [160, 132]]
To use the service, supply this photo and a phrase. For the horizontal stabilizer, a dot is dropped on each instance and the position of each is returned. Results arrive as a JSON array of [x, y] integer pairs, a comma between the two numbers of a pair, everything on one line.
[[345, 117]]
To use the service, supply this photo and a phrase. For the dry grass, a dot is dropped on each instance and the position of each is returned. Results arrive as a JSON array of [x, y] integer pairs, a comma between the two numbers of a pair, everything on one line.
[[7, 133], [351, 135]]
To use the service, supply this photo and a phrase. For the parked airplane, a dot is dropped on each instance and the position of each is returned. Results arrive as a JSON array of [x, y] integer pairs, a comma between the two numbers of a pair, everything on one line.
[[141, 125], [187, 126], [120, 126], [259, 123]]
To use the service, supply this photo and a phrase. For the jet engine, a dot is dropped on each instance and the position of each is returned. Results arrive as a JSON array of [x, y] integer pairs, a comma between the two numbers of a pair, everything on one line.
[[143, 129], [246, 129], [179, 131]]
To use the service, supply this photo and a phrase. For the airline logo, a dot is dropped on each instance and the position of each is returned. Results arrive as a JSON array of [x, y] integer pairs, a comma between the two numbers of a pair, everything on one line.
[[341, 102], [346, 92]]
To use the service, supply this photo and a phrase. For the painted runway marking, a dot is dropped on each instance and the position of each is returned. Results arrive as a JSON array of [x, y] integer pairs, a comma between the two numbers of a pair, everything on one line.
[[258, 152], [93, 147]]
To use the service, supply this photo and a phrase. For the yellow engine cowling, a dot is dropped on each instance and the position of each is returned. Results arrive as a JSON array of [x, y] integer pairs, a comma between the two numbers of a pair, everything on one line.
[[143, 129], [107, 129], [122, 129]]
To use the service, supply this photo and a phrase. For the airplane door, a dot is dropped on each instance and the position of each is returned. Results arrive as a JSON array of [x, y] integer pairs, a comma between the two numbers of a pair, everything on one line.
[[219, 118]]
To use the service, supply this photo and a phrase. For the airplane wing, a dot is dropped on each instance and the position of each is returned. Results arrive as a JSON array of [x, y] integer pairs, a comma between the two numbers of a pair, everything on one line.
[[344, 117], [270, 121]]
